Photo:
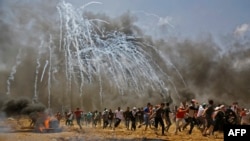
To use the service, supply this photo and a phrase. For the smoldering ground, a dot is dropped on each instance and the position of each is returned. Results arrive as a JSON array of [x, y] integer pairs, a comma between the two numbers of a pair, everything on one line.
[[200, 66]]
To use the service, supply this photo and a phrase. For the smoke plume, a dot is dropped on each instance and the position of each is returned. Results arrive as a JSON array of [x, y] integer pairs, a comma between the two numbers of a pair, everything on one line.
[[195, 68]]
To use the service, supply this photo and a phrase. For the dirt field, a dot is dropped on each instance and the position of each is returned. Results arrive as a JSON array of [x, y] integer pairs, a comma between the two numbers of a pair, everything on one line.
[[11, 131]]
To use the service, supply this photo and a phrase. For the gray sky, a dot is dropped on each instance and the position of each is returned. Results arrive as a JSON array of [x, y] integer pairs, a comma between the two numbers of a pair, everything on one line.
[[188, 18], [211, 68]]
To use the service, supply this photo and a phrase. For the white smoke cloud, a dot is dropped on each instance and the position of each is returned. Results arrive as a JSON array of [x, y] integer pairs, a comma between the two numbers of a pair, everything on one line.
[[160, 21], [165, 21], [154, 25], [242, 29]]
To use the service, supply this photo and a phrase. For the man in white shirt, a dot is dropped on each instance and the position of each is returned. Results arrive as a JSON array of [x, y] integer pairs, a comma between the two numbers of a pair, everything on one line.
[[118, 117]]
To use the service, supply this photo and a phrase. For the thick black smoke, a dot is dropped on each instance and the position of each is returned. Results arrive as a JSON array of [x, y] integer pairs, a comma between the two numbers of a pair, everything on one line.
[[21, 106], [14, 107], [33, 107], [199, 68]]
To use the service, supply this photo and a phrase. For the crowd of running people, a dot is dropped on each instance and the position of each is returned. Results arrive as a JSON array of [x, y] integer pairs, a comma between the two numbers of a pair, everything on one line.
[[207, 117]]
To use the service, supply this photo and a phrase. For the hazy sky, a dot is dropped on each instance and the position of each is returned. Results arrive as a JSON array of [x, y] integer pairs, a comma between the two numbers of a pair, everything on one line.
[[29, 23], [183, 17]]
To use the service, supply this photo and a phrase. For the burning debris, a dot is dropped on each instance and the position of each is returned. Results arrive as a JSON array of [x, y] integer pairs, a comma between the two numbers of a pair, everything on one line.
[[40, 120], [46, 123]]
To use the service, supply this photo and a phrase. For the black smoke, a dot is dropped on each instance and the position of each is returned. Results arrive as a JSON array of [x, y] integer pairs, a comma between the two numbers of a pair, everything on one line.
[[199, 68], [21, 106]]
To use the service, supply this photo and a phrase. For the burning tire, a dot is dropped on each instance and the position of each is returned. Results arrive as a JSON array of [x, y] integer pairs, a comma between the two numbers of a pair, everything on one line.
[[47, 124]]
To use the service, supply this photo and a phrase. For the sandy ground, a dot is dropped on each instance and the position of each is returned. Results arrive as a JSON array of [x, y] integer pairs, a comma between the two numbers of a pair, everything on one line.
[[11, 131]]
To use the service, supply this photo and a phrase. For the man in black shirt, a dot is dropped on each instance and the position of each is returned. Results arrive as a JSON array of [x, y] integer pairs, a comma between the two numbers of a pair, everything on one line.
[[158, 117], [127, 116], [167, 118]]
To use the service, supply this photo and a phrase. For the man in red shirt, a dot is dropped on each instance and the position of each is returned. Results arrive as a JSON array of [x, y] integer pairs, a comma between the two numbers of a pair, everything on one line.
[[78, 114], [180, 114]]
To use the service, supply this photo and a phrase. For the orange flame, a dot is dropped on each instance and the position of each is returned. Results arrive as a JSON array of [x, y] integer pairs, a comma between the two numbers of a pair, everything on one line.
[[44, 125], [46, 122]]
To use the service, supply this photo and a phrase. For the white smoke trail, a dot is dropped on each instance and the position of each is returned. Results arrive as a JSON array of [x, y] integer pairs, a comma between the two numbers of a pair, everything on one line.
[[88, 52], [44, 69], [13, 71], [37, 69], [49, 73]]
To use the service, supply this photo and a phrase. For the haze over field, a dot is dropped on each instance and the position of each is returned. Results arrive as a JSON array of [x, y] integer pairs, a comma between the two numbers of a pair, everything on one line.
[[35, 62]]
